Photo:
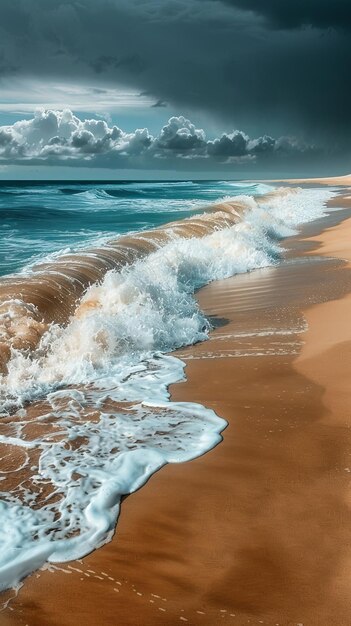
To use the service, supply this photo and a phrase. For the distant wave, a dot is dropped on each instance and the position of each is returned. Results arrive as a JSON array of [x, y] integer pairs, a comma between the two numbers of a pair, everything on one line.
[[132, 190], [94, 194], [258, 188]]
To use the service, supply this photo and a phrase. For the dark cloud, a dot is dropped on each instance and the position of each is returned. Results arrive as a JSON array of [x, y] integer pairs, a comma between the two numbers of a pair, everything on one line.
[[220, 58], [159, 104], [6, 137], [288, 14], [235, 144], [180, 136], [57, 137]]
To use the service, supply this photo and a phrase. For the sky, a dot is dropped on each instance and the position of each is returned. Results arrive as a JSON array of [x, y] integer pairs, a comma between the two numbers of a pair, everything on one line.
[[148, 89]]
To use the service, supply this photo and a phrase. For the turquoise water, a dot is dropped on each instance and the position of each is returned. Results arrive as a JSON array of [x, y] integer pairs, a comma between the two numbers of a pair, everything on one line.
[[37, 219]]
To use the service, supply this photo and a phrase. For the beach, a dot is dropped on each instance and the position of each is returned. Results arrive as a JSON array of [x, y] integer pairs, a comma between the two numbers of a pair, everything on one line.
[[256, 531], [175, 304]]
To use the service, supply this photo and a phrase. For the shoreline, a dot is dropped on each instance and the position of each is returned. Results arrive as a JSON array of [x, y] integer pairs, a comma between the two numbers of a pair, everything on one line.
[[337, 181], [208, 542]]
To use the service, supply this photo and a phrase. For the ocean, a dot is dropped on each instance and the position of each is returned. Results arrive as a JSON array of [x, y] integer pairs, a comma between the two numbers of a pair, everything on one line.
[[37, 219], [97, 290]]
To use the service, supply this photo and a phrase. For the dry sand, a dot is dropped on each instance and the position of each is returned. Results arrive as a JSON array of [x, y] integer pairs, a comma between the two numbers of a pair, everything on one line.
[[342, 181], [258, 531]]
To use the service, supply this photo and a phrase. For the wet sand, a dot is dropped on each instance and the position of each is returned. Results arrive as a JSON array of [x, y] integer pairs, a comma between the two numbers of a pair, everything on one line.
[[259, 529]]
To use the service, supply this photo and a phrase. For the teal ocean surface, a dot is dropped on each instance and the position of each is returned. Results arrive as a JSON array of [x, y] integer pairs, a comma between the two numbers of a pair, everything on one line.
[[39, 218]]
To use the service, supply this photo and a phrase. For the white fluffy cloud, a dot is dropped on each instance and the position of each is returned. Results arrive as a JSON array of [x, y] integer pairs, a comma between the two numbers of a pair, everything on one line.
[[60, 136]]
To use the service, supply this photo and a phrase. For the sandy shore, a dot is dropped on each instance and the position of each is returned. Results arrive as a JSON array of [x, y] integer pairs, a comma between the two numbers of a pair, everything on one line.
[[258, 531], [337, 181]]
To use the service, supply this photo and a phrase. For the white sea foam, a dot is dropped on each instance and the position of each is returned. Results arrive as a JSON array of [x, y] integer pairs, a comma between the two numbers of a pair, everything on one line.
[[102, 383], [95, 194]]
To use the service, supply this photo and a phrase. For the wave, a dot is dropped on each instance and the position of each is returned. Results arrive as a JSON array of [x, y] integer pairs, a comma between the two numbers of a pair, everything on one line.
[[106, 193], [257, 188], [124, 192], [18, 190], [86, 409], [94, 194], [50, 292]]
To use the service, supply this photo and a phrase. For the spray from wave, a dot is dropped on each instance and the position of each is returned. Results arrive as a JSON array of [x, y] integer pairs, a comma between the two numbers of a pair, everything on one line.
[[86, 410]]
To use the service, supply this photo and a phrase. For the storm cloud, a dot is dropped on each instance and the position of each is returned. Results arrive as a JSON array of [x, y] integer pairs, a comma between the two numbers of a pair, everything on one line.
[[318, 13], [269, 67]]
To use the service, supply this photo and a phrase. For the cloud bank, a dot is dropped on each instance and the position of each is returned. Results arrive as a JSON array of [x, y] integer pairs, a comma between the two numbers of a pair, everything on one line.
[[57, 137], [268, 66]]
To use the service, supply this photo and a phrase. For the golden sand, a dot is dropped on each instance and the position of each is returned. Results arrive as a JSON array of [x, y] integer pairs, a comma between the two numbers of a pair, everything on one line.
[[334, 181]]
